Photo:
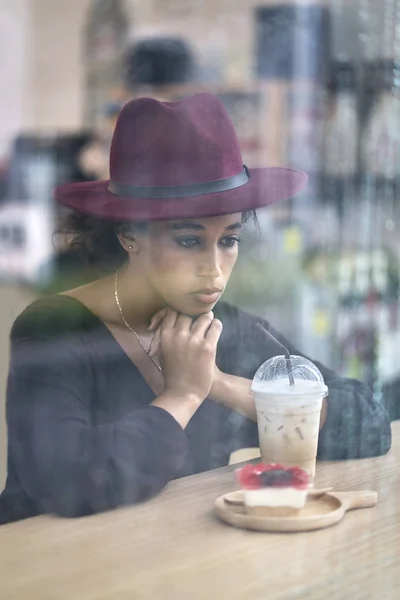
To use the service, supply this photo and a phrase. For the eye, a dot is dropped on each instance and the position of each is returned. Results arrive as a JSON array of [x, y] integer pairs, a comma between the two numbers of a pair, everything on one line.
[[188, 242], [230, 242]]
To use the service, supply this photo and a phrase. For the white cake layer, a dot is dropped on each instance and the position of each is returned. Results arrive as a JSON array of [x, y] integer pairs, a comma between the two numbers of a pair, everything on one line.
[[275, 497]]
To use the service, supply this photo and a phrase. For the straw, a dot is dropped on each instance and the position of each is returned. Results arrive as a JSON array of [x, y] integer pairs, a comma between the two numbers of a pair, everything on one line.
[[288, 360]]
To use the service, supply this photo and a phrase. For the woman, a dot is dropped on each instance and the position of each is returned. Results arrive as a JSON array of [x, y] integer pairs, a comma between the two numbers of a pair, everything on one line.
[[96, 419]]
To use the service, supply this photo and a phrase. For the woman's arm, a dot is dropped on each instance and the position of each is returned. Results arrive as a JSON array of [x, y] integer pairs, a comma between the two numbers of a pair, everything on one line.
[[354, 423], [235, 393], [72, 467], [66, 464]]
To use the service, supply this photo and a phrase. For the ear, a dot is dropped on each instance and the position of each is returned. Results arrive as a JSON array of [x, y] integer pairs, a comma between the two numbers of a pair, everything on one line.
[[129, 241]]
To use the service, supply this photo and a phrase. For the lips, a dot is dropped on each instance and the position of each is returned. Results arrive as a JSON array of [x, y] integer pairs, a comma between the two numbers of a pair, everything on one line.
[[207, 295], [208, 291]]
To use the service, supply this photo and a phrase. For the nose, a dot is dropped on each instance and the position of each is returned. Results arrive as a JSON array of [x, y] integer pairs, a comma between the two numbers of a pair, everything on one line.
[[209, 264]]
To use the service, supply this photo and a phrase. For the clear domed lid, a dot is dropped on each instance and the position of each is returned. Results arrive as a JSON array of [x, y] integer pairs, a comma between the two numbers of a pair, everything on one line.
[[277, 369]]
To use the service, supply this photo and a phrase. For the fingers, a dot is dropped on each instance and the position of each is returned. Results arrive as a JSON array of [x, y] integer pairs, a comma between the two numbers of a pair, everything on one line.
[[183, 322], [214, 332], [154, 347], [169, 320], [155, 325], [157, 319], [202, 323], [205, 326]]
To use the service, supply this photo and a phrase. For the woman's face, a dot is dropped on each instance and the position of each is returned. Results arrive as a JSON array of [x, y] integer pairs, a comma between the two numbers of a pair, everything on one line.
[[188, 263]]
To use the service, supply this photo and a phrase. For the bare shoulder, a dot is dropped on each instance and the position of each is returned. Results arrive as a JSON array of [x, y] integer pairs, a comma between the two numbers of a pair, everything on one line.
[[85, 291]]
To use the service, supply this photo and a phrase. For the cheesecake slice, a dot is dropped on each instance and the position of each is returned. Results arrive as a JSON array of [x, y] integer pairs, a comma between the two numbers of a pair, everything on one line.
[[273, 490]]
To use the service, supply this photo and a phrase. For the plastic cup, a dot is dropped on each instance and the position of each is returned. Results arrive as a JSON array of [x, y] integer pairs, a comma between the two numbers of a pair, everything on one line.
[[288, 416]]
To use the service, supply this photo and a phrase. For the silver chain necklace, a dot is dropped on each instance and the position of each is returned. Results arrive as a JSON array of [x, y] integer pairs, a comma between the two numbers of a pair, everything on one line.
[[127, 324]]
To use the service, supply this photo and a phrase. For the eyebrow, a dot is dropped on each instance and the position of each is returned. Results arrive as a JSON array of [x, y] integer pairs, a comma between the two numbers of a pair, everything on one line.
[[197, 227]]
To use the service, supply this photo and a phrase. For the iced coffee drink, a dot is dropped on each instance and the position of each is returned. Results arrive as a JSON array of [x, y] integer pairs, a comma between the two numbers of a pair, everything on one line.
[[288, 416]]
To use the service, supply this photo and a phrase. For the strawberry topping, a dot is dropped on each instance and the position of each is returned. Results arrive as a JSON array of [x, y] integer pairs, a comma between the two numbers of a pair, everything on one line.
[[253, 477]]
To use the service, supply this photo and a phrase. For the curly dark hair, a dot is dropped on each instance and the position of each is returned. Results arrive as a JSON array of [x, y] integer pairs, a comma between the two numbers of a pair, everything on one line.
[[94, 242]]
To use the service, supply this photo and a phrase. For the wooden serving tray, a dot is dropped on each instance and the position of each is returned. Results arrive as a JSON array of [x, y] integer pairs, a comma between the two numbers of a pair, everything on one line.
[[322, 509]]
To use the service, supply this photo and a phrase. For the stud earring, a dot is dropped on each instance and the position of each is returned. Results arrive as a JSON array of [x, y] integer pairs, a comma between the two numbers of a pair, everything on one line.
[[130, 247]]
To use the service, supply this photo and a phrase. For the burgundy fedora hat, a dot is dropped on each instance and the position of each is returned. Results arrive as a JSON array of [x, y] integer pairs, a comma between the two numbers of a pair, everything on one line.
[[172, 160]]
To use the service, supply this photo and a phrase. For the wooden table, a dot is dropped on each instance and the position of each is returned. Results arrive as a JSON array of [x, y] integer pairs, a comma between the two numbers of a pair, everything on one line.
[[174, 548]]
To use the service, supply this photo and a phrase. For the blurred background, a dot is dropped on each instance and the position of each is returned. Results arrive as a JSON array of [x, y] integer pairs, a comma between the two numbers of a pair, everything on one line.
[[309, 84]]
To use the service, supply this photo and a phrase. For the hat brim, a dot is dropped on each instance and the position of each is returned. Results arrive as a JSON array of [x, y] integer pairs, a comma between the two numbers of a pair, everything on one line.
[[264, 187]]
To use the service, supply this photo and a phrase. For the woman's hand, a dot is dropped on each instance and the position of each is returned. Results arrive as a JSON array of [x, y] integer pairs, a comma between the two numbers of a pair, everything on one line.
[[154, 350], [187, 351], [155, 326]]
